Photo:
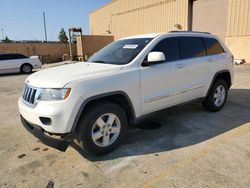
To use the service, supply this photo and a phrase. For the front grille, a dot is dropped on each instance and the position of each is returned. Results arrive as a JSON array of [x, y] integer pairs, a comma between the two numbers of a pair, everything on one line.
[[29, 94]]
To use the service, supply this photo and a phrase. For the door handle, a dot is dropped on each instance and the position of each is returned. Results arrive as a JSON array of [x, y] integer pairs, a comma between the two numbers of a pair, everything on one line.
[[180, 66]]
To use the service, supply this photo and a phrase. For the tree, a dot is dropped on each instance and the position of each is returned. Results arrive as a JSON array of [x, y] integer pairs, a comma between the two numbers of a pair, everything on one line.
[[62, 36], [7, 40]]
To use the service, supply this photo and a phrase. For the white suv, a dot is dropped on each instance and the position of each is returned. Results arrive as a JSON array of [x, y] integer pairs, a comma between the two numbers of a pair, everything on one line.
[[95, 101]]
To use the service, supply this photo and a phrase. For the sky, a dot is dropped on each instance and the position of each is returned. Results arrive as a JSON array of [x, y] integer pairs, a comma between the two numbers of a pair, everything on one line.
[[23, 19]]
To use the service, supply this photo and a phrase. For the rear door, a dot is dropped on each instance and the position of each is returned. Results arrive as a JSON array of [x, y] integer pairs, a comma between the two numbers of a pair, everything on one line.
[[162, 85], [196, 60]]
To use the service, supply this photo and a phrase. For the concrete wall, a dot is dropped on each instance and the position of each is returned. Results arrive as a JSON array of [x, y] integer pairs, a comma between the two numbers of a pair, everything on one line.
[[129, 17], [48, 52], [91, 44]]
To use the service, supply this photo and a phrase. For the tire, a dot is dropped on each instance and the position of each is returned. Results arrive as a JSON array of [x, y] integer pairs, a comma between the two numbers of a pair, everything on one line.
[[26, 68], [217, 96], [92, 136]]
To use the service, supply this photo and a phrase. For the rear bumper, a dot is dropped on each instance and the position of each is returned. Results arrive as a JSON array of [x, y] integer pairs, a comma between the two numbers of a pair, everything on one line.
[[59, 144]]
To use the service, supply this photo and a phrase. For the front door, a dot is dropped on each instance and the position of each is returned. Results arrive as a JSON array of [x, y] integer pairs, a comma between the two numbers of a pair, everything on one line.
[[164, 84]]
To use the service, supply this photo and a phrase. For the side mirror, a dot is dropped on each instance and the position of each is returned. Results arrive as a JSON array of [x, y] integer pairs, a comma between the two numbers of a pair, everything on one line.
[[154, 58]]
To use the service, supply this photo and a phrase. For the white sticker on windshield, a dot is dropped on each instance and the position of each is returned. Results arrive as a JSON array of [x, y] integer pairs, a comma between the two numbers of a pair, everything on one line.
[[130, 46]]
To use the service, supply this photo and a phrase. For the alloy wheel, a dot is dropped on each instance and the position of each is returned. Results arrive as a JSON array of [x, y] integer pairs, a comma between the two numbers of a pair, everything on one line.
[[106, 130], [219, 95]]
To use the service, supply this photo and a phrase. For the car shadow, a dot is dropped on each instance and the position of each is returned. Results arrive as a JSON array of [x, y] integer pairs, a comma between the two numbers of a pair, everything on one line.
[[181, 126], [15, 74]]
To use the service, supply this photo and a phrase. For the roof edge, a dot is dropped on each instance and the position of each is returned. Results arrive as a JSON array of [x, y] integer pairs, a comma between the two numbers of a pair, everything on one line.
[[95, 10]]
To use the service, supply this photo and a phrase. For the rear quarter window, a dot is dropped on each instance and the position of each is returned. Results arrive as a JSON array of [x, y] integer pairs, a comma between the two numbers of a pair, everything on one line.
[[192, 47], [18, 56], [213, 46]]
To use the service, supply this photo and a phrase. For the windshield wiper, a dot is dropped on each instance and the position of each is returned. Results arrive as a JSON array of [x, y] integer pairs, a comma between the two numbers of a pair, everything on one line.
[[99, 62]]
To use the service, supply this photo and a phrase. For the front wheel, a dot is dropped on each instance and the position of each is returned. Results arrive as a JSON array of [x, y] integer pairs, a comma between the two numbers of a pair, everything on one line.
[[217, 96], [102, 128]]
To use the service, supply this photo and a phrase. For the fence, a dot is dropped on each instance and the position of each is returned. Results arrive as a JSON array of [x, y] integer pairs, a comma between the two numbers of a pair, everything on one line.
[[48, 52]]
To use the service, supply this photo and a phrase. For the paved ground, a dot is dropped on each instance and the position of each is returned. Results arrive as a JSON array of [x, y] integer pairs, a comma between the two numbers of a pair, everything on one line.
[[191, 148]]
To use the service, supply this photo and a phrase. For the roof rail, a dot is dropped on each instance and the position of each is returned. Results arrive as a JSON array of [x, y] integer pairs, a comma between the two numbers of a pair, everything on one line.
[[190, 32]]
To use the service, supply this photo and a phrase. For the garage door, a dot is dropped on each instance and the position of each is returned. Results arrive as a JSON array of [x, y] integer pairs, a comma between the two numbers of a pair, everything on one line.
[[211, 16]]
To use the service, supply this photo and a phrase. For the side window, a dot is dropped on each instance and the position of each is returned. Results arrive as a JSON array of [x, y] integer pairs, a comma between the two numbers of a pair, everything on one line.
[[20, 56], [23, 56], [4, 57], [10, 56], [193, 47], [213, 46], [15, 56], [170, 47]]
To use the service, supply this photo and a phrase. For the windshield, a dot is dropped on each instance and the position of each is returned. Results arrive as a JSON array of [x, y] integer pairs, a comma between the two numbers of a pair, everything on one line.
[[120, 52]]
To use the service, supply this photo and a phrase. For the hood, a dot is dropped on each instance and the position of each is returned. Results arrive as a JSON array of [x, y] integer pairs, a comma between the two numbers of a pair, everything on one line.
[[58, 77]]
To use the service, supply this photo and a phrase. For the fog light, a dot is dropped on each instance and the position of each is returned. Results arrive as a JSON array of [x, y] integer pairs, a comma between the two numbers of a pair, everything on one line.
[[45, 120]]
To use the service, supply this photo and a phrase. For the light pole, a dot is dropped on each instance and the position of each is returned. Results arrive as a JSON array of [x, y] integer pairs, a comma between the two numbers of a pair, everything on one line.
[[44, 25]]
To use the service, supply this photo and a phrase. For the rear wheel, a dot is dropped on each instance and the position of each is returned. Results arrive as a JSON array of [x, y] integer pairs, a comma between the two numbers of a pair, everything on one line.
[[217, 96], [26, 68], [102, 128]]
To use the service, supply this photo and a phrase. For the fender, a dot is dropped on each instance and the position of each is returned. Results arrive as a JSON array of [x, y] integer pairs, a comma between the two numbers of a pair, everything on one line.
[[212, 82], [93, 98]]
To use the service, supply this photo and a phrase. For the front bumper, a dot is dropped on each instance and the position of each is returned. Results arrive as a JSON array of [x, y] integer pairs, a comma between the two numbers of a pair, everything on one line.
[[60, 144], [58, 112]]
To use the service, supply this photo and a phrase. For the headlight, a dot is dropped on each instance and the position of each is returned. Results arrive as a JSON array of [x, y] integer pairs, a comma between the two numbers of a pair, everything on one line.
[[53, 94]]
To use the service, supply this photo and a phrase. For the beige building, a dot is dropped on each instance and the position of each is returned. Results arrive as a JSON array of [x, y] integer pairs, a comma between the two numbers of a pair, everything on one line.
[[229, 19]]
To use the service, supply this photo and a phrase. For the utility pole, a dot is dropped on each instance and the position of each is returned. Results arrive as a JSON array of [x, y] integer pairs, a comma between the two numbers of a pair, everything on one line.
[[44, 24]]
